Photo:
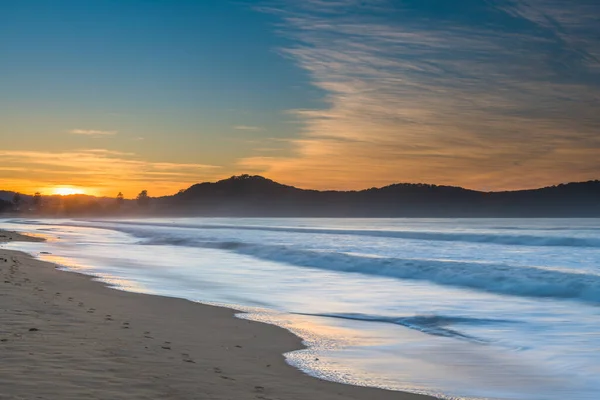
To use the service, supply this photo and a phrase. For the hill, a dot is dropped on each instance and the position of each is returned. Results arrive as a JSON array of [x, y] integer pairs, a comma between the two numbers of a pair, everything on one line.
[[8, 196], [257, 196]]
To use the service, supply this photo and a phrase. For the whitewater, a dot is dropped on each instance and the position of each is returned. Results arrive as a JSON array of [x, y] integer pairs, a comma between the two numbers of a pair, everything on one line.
[[456, 308]]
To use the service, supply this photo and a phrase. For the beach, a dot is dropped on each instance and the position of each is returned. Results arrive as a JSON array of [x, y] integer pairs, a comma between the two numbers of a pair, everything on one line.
[[65, 336]]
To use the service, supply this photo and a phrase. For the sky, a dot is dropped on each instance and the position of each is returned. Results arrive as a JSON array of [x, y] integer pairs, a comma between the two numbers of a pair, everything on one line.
[[108, 96]]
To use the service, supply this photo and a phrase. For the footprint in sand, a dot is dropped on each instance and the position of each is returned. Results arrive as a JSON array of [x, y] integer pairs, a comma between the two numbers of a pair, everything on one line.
[[186, 358]]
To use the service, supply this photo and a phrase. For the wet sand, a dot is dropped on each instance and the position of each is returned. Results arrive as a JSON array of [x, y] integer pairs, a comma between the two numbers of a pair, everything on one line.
[[65, 336]]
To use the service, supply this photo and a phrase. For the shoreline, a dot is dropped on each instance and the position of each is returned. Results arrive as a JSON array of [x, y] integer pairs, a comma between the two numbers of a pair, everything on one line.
[[65, 335]]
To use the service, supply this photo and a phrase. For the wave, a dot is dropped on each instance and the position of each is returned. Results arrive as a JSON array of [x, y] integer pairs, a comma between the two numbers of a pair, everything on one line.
[[546, 228], [501, 279], [493, 278], [471, 237], [468, 237], [436, 325]]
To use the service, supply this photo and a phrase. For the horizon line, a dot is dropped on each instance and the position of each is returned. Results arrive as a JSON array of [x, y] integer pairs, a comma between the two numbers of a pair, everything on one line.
[[317, 190]]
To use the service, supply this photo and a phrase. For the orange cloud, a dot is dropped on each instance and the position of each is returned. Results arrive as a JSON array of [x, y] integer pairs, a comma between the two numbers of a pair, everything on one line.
[[461, 104], [98, 171]]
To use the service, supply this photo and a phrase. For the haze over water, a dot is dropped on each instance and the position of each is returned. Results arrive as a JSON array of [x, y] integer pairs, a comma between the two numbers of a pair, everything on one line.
[[498, 309]]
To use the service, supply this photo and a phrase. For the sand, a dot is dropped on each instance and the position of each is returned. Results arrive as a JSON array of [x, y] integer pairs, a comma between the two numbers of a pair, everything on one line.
[[65, 336]]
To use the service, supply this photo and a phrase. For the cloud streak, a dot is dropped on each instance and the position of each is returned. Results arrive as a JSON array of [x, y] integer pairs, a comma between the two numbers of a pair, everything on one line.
[[247, 128], [100, 169], [92, 132], [486, 94]]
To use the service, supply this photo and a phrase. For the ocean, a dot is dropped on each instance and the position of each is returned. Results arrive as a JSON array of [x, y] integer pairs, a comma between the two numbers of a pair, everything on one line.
[[456, 308]]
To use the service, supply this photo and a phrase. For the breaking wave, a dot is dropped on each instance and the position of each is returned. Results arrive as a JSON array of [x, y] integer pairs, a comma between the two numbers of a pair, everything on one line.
[[471, 237], [493, 278], [513, 239]]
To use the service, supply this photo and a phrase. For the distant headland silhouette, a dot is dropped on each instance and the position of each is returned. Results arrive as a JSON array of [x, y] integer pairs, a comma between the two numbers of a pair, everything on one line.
[[257, 196]]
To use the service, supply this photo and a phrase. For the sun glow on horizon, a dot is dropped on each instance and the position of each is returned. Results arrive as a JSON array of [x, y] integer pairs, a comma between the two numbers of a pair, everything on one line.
[[67, 191]]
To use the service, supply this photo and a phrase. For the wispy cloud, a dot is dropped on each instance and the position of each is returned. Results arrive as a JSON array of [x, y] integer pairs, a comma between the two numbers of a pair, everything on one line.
[[247, 128], [100, 169], [487, 94], [92, 132]]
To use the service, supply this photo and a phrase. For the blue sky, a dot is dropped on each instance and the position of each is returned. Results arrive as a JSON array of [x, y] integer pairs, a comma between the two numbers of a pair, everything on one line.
[[326, 94]]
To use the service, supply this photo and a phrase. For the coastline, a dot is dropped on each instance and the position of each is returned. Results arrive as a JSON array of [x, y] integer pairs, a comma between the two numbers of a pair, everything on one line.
[[64, 335]]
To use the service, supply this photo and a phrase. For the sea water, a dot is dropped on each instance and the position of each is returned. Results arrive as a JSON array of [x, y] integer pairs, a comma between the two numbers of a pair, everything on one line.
[[457, 308]]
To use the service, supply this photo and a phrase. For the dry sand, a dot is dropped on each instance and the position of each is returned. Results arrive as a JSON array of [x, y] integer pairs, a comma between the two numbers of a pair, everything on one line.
[[64, 336]]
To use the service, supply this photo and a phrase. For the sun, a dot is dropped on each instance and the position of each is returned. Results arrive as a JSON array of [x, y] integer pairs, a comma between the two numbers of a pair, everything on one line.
[[67, 190]]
